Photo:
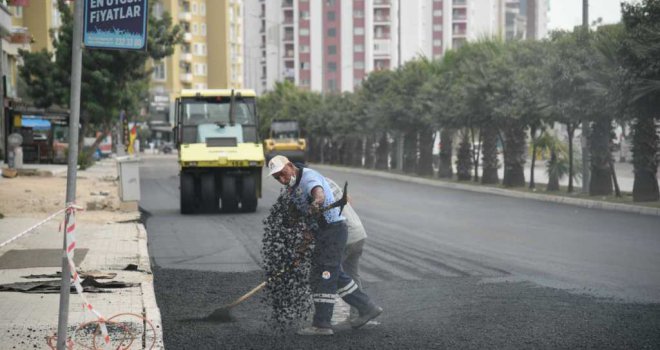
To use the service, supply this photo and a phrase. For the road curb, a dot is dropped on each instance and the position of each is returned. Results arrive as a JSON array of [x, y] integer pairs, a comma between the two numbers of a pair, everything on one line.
[[586, 203], [150, 306]]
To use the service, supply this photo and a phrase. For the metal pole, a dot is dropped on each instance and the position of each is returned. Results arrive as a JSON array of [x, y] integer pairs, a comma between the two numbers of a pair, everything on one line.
[[74, 121], [586, 125]]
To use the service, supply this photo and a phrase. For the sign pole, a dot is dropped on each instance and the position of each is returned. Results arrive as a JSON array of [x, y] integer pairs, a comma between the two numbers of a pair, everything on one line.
[[74, 121]]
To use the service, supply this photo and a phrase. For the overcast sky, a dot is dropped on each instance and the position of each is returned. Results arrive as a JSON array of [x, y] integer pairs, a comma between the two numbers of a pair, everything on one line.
[[565, 14]]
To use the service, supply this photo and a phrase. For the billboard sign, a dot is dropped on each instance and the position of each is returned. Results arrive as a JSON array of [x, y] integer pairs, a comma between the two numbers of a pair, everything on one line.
[[116, 24]]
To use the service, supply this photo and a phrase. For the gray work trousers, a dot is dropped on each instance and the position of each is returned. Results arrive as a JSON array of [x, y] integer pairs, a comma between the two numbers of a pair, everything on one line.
[[351, 260]]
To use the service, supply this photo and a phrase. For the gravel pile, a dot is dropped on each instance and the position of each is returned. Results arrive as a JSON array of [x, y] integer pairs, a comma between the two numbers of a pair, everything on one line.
[[286, 252]]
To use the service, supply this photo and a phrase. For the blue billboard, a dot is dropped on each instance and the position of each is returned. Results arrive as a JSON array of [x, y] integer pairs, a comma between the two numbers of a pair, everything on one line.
[[116, 24]]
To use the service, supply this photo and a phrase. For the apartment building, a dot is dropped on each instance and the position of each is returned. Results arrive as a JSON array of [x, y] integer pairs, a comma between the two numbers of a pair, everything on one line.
[[23, 26], [331, 45], [211, 55]]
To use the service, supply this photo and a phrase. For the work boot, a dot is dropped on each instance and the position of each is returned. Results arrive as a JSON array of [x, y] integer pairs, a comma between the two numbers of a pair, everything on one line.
[[312, 330], [366, 317]]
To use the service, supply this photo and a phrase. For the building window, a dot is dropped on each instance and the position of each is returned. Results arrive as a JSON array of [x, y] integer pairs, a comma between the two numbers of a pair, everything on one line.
[[304, 15], [330, 2], [331, 15], [304, 65], [195, 28], [304, 32], [304, 48], [358, 48], [332, 66], [202, 9], [200, 69], [204, 29], [358, 13], [437, 27], [332, 85], [18, 11], [194, 8], [437, 42], [332, 50], [358, 31], [437, 13], [332, 32], [159, 71], [358, 64]]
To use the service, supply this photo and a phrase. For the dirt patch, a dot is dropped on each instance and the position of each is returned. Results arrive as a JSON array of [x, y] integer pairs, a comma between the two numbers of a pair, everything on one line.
[[35, 196]]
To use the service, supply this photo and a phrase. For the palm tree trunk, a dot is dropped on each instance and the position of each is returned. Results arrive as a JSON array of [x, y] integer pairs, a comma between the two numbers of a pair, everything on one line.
[[532, 132], [426, 138], [464, 161], [553, 179], [571, 131], [514, 156], [410, 152], [382, 152], [490, 163], [600, 183], [645, 161], [369, 152], [445, 169]]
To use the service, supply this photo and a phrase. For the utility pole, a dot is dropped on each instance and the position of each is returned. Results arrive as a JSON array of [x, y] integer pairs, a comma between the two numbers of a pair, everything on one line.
[[401, 137], [74, 121], [586, 125]]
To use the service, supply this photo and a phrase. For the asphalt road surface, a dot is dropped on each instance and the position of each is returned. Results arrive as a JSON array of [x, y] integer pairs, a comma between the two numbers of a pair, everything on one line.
[[452, 269]]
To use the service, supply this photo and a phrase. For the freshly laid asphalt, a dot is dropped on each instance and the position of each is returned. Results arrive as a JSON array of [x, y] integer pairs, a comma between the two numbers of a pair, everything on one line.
[[441, 313], [452, 269]]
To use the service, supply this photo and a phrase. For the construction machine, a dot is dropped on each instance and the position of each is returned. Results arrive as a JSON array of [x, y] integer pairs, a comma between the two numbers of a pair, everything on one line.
[[220, 155], [285, 139]]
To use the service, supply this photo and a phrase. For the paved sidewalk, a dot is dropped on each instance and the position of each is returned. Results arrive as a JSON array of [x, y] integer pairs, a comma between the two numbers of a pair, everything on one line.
[[107, 241]]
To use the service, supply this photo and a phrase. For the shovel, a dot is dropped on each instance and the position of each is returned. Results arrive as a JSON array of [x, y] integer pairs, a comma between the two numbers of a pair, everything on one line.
[[223, 314]]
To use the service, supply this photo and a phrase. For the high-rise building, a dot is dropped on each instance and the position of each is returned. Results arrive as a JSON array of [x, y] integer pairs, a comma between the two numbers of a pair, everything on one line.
[[211, 55], [331, 45]]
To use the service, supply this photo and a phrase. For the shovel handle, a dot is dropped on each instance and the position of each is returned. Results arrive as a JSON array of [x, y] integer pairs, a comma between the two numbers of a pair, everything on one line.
[[248, 294]]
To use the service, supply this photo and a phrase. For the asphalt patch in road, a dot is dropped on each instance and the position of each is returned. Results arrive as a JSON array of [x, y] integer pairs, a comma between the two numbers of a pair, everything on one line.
[[21, 259], [447, 312]]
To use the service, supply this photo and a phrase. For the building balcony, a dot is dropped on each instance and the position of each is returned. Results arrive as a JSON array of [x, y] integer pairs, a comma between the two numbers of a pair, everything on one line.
[[287, 4], [288, 21], [382, 47], [187, 57], [459, 18], [382, 19], [186, 77], [288, 38], [382, 36], [185, 16], [289, 73], [459, 3], [20, 36], [382, 3], [187, 37]]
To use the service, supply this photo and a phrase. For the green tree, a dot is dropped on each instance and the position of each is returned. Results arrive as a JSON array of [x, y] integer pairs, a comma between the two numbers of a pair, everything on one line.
[[568, 62], [640, 52], [112, 80]]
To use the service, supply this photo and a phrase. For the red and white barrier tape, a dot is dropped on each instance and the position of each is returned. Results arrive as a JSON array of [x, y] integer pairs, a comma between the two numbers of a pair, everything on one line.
[[34, 227], [70, 228]]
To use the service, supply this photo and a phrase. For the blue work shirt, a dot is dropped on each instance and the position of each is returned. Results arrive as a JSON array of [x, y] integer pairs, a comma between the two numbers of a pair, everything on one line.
[[303, 194]]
